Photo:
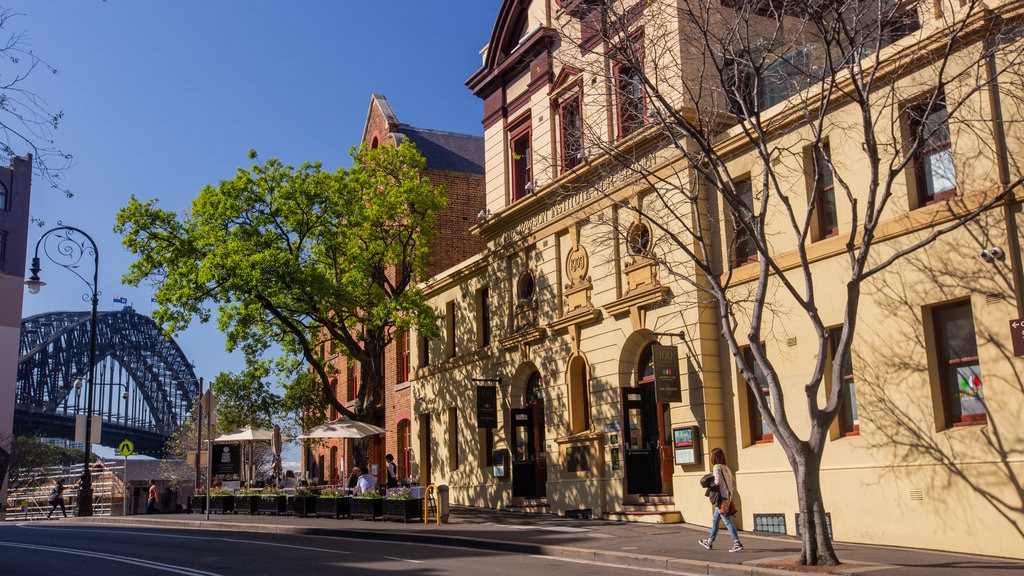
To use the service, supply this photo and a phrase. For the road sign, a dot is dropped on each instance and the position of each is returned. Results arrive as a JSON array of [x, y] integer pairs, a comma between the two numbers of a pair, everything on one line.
[[1017, 336], [126, 448]]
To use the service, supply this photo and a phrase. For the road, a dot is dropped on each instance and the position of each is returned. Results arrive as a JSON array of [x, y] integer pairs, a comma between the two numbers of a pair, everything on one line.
[[49, 549]]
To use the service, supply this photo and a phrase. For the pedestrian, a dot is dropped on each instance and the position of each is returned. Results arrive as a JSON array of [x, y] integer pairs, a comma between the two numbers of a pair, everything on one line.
[[57, 497], [392, 471], [726, 483], [151, 499], [290, 483]]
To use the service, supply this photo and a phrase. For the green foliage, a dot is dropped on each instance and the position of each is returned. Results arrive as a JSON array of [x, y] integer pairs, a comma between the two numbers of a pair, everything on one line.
[[297, 258], [29, 454], [245, 399]]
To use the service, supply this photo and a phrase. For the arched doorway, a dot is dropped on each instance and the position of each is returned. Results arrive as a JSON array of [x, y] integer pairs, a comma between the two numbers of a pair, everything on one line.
[[647, 425], [529, 460]]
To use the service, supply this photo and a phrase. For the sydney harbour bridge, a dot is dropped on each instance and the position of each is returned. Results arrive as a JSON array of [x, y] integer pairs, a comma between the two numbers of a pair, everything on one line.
[[143, 386]]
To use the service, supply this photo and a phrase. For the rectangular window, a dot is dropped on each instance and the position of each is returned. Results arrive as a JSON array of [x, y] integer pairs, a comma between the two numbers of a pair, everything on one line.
[[899, 23], [825, 214], [522, 161], [630, 105], [449, 321], [760, 431], [959, 370], [934, 174], [3, 251], [424, 350], [571, 122], [849, 424], [4, 198], [453, 438], [483, 317], [403, 358], [744, 248]]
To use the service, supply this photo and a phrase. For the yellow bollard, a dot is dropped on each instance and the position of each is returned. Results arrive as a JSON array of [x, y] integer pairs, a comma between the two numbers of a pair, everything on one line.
[[426, 504]]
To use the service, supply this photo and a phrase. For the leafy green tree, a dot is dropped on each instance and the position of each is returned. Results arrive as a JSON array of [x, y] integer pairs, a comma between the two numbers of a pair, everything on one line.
[[302, 259]]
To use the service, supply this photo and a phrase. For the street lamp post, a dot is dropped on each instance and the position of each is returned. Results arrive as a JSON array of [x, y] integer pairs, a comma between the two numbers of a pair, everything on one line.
[[67, 251]]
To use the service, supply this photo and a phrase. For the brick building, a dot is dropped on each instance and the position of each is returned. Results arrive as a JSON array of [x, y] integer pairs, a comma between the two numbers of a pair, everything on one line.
[[456, 162]]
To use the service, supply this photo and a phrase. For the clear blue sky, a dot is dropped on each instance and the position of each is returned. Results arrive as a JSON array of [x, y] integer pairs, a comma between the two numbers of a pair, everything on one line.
[[163, 97]]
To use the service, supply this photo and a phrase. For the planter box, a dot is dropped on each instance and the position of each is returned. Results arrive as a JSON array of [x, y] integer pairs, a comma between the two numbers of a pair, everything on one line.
[[196, 504], [366, 508], [222, 504], [246, 504], [403, 510], [276, 505], [333, 506], [302, 505]]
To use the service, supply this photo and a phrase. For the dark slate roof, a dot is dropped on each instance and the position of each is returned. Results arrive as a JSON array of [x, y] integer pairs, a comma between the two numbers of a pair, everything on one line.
[[448, 151]]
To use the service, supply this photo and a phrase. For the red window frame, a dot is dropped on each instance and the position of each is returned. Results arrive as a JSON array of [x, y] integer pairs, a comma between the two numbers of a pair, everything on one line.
[[935, 140], [824, 193], [570, 120], [744, 249], [630, 104], [958, 355], [521, 160], [352, 382]]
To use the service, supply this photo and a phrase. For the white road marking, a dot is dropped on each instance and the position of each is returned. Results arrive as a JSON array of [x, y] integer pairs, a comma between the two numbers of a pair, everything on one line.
[[184, 537], [113, 558]]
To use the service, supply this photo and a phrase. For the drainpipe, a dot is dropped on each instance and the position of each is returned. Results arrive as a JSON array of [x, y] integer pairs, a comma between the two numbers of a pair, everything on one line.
[[1011, 204]]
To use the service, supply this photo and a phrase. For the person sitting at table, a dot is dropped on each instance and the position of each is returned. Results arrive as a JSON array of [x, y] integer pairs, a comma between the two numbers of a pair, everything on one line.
[[365, 483], [353, 477], [289, 483]]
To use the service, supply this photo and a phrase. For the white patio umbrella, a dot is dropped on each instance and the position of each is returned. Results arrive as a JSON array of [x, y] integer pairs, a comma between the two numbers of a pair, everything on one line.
[[343, 427], [245, 434], [250, 435]]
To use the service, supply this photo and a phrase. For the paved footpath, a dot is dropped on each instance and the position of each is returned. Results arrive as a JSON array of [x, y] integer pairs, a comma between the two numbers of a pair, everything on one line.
[[668, 547]]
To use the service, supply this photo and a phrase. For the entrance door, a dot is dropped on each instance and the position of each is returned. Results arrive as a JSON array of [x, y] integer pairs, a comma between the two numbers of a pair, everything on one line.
[[643, 453], [527, 466]]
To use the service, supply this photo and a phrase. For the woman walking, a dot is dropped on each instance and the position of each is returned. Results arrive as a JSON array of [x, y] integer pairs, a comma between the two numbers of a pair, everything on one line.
[[56, 498], [726, 483]]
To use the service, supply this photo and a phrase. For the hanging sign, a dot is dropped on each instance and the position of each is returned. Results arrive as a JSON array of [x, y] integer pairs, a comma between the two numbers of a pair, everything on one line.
[[666, 374], [487, 406]]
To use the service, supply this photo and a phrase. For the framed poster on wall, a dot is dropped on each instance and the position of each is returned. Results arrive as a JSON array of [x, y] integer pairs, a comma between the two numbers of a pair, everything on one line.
[[686, 445]]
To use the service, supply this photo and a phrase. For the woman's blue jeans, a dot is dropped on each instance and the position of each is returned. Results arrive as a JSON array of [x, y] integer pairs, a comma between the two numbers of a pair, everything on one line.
[[728, 525]]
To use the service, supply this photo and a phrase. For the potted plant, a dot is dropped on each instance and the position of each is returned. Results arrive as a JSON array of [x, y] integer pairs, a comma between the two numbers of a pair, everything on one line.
[[221, 501], [245, 501], [367, 505], [272, 501], [197, 502], [333, 504], [302, 503], [399, 504]]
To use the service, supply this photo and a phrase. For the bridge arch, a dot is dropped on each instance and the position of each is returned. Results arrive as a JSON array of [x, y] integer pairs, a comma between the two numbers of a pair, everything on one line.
[[154, 372]]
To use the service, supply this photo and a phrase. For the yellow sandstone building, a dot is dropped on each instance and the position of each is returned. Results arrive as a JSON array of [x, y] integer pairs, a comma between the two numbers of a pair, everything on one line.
[[646, 161]]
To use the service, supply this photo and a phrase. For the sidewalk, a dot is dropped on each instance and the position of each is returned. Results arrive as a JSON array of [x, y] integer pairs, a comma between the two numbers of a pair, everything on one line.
[[670, 547]]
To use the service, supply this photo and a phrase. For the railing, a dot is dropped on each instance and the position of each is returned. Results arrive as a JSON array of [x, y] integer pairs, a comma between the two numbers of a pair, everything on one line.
[[27, 498]]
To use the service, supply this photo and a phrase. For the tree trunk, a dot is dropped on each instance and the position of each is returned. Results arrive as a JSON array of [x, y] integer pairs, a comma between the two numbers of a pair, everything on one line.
[[817, 547]]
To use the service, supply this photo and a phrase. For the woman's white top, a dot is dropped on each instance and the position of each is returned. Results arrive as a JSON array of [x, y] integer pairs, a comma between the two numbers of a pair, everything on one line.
[[725, 480]]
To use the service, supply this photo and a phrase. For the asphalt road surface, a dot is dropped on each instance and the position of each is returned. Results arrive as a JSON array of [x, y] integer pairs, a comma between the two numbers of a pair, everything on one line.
[[49, 549]]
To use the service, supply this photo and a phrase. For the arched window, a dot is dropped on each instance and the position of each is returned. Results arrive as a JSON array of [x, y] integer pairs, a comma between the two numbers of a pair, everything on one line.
[[645, 367], [534, 390], [579, 396], [403, 457]]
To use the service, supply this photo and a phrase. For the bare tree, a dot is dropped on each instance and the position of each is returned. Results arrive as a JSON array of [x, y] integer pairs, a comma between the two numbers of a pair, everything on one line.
[[26, 120], [759, 128]]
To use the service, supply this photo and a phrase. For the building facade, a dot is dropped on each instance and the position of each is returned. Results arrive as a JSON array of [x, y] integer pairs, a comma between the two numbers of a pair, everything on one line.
[[606, 239], [15, 200], [454, 161]]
